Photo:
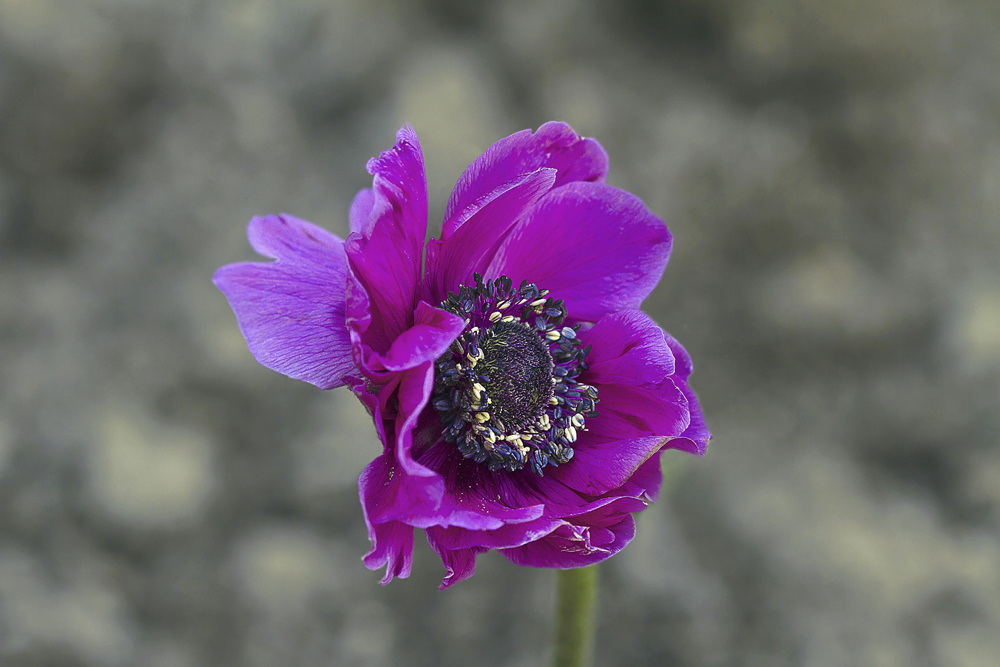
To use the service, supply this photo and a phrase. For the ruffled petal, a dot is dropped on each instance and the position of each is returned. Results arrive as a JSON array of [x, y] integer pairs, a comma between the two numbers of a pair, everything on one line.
[[697, 432], [429, 337], [391, 541], [596, 247], [555, 145], [291, 311], [510, 535], [385, 254], [645, 483], [574, 545], [460, 563], [486, 223]]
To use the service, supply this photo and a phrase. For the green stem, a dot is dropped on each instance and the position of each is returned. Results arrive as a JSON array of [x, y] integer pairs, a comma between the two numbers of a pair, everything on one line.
[[576, 597]]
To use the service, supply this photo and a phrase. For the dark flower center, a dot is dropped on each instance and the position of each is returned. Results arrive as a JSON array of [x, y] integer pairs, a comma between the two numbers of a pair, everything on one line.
[[518, 369], [507, 389]]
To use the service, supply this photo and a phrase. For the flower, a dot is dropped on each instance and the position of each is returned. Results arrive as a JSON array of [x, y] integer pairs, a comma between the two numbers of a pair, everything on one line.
[[521, 396]]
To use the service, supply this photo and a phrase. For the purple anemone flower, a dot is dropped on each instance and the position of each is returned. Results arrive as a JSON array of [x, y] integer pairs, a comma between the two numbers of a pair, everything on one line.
[[521, 396]]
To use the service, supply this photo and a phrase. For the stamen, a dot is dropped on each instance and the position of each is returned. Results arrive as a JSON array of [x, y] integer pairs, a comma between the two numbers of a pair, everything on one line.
[[507, 388]]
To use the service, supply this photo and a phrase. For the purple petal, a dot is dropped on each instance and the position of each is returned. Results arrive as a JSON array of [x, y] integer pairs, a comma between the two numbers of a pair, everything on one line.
[[628, 349], [361, 210], [433, 332], [385, 255], [291, 311], [638, 412], [392, 547], [645, 483], [554, 145], [642, 409], [480, 500], [601, 467], [596, 247], [394, 486], [391, 541], [510, 535], [415, 390], [574, 546], [470, 249], [460, 563], [697, 432], [684, 365], [464, 503]]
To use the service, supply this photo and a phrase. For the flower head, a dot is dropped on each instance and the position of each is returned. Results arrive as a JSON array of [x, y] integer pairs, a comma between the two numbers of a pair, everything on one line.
[[521, 397]]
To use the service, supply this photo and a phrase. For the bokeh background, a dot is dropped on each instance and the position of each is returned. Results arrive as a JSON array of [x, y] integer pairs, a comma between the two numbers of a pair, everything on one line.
[[830, 171]]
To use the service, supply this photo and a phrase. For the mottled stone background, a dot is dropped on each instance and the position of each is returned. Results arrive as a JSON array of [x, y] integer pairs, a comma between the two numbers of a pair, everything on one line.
[[830, 170]]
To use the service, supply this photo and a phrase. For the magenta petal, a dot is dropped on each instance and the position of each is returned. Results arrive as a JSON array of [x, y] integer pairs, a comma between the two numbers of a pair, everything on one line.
[[627, 348], [510, 535], [415, 389], [486, 223], [431, 334], [601, 467], [392, 547], [574, 546], [645, 483], [697, 432], [388, 493], [460, 563], [291, 311], [391, 541], [683, 359], [637, 412], [554, 145], [386, 254], [465, 501], [596, 247]]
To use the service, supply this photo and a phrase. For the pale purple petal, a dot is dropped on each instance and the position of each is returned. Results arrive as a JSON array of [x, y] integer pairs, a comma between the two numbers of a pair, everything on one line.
[[553, 145], [596, 247], [361, 210], [291, 311]]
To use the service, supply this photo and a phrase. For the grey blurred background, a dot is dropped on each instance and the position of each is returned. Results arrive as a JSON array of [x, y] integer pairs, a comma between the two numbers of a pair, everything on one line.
[[831, 173]]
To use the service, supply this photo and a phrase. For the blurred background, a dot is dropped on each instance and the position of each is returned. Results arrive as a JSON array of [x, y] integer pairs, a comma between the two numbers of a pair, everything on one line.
[[831, 174]]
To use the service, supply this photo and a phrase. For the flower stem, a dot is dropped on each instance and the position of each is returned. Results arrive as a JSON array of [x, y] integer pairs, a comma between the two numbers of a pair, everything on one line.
[[576, 597]]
